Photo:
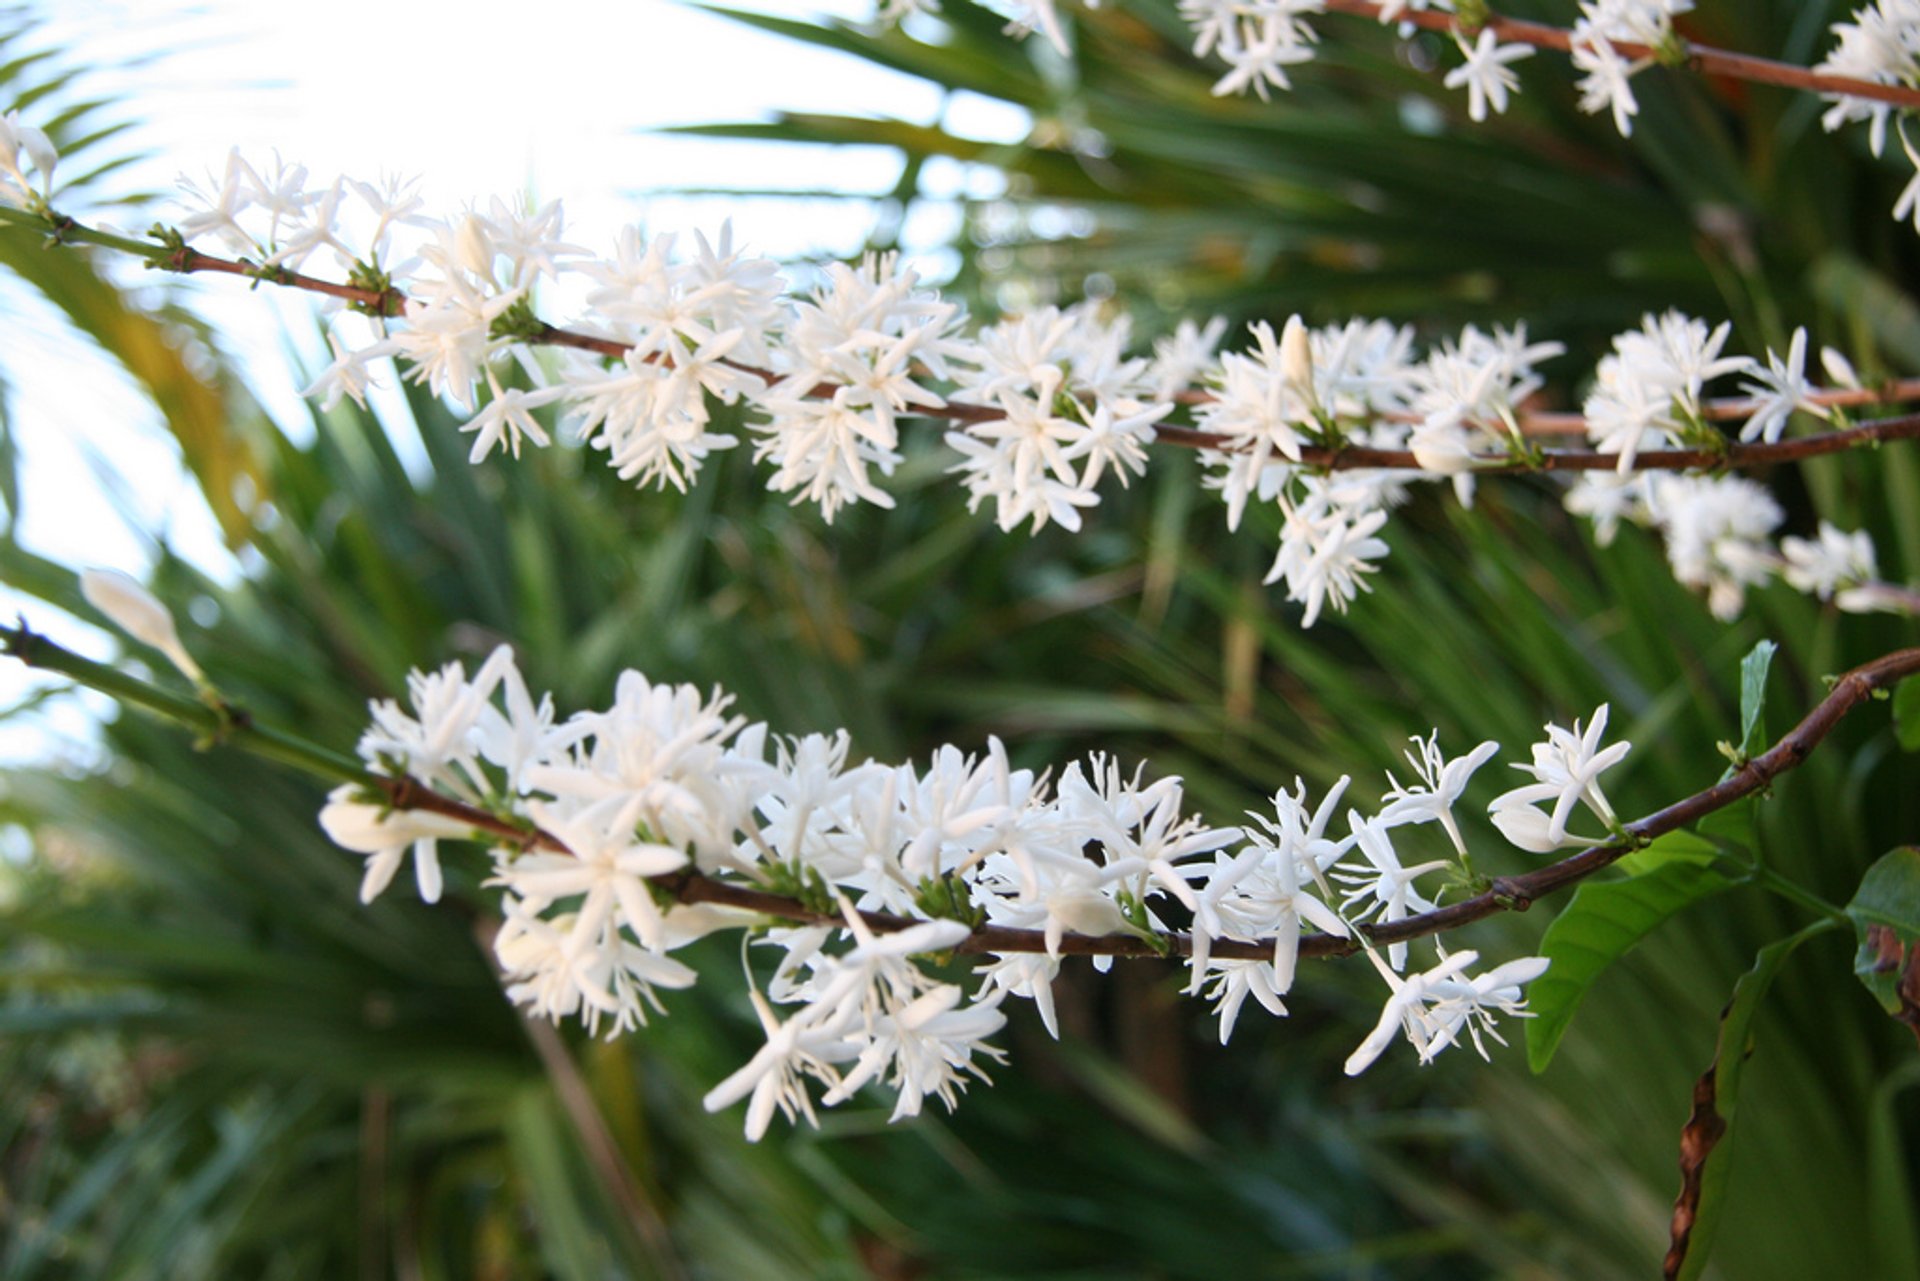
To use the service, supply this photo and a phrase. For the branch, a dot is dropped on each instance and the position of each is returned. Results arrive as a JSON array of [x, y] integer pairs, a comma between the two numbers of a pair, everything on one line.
[[216, 724], [1508, 893], [392, 302], [1704, 59]]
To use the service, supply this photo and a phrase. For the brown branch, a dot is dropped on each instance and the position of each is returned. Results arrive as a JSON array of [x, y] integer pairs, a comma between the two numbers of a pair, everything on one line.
[[1510, 893], [1704, 59]]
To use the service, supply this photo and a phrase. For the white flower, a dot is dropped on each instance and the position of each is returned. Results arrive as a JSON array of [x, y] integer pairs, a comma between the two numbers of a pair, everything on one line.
[[1648, 22], [1388, 884], [774, 1076], [314, 227], [1606, 499], [384, 835], [556, 974], [22, 146], [1717, 530], [1471, 1002], [1835, 561], [1259, 406], [1031, 975], [929, 1043], [1326, 551], [609, 870], [507, 417], [1405, 1010], [348, 375], [1780, 389], [1444, 780], [1606, 84], [1566, 770], [1296, 357], [1039, 15], [138, 613], [448, 339], [219, 206], [1179, 358], [437, 744], [1874, 598], [1880, 45], [1485, 74], [1839, 368], [1431, 1008], [653, 760], [1655, 378], [1258, 55], [1233, 981], [824, 450]]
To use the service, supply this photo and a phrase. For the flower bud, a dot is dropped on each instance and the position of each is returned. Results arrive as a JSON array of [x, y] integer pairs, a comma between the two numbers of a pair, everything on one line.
[[1530, 829], [1839, 369], [135, 611], [365, 828], [39, 149], [1296, 357], [1442, 449], [475, 250]]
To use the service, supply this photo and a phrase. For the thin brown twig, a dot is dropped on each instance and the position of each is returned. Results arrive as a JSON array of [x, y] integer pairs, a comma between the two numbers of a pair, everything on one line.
[[1704, 59], [1503, 894]]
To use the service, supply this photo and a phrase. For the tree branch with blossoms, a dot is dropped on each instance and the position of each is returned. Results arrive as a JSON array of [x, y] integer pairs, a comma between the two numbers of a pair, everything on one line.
[[1669, 49], [1873, 69], [619, 836], [1329, 425], [392, 302]]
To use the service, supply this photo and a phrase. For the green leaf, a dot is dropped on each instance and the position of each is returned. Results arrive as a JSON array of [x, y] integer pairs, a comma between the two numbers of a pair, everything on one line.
[[1603, 923], [1682, 846], [1906, 713], [1706, 1154], [1888, 899], [1753, 697]]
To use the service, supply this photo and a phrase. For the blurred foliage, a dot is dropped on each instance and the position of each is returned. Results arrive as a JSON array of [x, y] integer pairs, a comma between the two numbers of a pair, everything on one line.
[[217, 1063]]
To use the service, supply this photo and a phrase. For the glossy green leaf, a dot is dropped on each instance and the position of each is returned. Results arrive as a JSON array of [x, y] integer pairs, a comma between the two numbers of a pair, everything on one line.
[[1602, 923], [1681, 846]]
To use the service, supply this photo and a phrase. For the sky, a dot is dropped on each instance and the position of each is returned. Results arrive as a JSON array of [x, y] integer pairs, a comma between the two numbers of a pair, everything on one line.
[[560, 98]]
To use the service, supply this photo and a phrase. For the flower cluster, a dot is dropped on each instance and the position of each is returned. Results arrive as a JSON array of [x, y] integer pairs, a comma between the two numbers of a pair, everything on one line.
[[1260, 40], [619, 836], [1047, 405], [1881, 45], [1719, 539]]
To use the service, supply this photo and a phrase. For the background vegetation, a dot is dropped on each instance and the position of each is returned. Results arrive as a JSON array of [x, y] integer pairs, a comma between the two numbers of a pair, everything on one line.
[[215, 1062]]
